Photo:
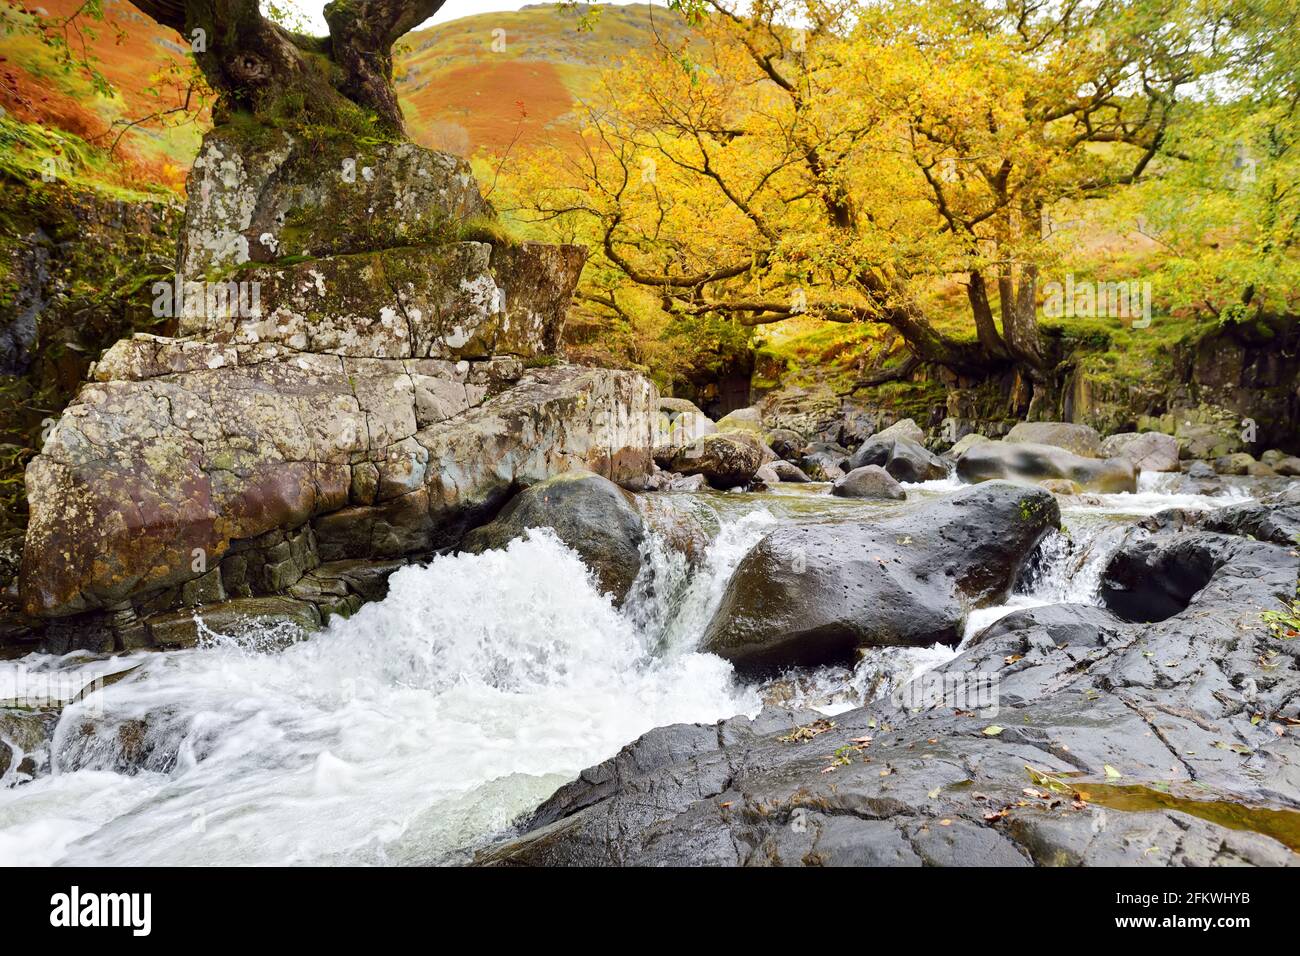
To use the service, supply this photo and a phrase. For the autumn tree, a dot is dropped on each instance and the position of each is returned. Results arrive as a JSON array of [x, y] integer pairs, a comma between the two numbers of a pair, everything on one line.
[[837, 159], [257, 65]]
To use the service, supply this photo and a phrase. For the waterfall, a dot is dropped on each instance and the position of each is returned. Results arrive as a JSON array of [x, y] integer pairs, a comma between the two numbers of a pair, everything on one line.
[[404, 734]]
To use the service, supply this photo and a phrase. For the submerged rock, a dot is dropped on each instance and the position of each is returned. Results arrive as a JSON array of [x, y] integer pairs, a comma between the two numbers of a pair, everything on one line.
[[812, 594], [590, 514], [1028, 462]]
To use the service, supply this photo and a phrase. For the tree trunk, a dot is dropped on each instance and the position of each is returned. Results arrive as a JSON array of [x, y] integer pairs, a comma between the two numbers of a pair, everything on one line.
[[1018, 296], [255, 65], [977, 291]]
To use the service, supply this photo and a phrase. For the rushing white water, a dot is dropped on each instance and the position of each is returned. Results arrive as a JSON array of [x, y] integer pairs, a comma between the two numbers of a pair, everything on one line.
[[429, 721], [425, 721]]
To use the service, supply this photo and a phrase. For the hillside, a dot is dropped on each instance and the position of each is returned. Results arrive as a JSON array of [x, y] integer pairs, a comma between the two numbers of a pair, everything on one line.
[[462, 88]]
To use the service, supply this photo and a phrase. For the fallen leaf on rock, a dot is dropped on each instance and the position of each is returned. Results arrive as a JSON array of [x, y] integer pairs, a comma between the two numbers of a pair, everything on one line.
[[992, 730], [1111, 772]]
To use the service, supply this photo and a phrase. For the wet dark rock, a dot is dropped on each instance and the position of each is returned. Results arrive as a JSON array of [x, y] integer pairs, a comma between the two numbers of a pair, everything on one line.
[[1275, 518], [1154, 578], [24, 743], [812, 594], [824, 461], [589, 513], [787, 443], [1103, 743], [1062, 623]]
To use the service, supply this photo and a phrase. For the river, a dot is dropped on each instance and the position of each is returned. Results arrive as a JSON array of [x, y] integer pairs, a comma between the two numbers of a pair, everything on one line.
[[423, 725]]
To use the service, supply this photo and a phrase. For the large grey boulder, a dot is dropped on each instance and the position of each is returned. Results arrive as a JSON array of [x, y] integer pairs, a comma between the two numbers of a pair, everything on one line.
[[591, 514], [743, 420], [1028, 462], [869, 481], [903, 458], [905, 428], [1149, 451], [681, 422], [812, 594], [1077, 439]]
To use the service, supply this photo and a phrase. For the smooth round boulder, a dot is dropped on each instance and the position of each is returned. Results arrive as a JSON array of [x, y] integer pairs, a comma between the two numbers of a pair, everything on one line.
[[786, 471], [725, 460], [906, 428], [963, 444], [811, 594], [590, 514], [1149, 451], [1288, 467], [869, 481], [1081, 440], [1034, 463]]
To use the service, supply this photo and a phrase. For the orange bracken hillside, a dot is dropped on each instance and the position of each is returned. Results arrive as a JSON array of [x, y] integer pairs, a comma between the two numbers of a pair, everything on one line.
[[472, 85]]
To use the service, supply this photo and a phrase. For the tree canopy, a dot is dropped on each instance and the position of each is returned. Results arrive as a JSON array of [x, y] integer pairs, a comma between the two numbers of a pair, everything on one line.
[[838, 159]]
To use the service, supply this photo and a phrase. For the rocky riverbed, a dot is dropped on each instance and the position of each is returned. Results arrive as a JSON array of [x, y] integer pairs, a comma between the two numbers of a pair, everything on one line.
[[466, 715]]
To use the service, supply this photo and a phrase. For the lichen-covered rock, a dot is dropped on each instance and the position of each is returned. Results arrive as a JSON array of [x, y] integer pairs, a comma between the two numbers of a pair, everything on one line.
[[906, 428], [681, 422], [725, 460], [145, 484], [458, 300], [742, 420], [279, 196], [1238, 463]]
